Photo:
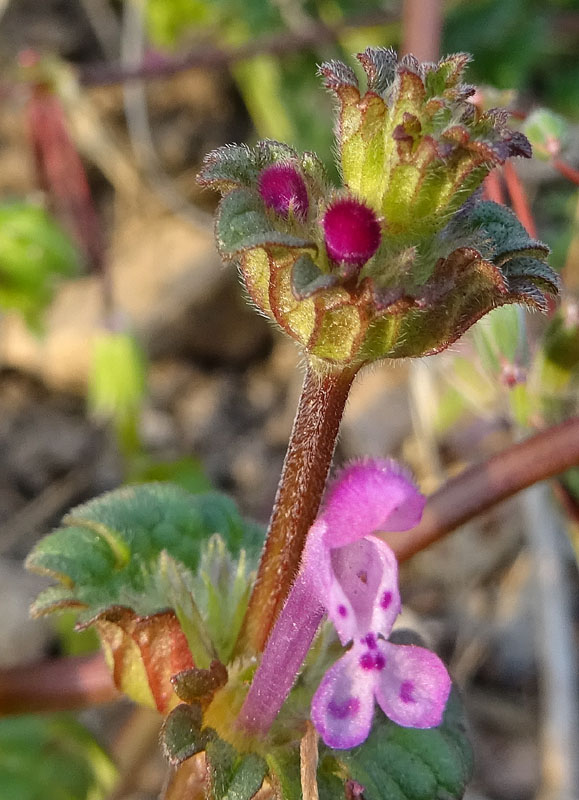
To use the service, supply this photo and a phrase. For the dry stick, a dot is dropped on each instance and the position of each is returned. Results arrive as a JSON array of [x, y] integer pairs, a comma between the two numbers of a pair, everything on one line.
[[557, 659], [482, 486], [210, 57], [422, 27], [302, 483], [60, 684]]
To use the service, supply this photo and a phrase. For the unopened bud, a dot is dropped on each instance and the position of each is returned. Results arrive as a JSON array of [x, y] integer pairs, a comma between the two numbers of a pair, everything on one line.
[[282, 188], [352, 232]]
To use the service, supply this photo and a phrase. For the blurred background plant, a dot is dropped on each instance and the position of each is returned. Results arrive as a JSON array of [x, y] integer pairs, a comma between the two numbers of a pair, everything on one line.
[[125, 348]]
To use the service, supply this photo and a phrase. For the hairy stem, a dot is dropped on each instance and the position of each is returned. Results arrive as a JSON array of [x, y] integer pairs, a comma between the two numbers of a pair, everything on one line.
[[484, 485], [59, 684], [300, 490]]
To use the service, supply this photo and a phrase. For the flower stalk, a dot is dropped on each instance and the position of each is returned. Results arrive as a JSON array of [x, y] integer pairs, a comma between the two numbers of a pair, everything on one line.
[[306, 466]]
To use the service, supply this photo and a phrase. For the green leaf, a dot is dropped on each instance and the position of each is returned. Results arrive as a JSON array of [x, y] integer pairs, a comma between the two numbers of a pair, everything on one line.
[[34, 255], [242, 224], [228, 167], [181, 734], [307, 278], [52, 758], [503, 231], [397, 763], [108, 551], [560, 352], [128, 562], [233, 776]]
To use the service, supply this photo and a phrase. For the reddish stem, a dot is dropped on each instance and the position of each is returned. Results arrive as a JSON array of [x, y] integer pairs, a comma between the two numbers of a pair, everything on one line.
[[482, 486], [59, 684], [519, 199], [422, 26], [566, 170], [300, 490], [493, 189]]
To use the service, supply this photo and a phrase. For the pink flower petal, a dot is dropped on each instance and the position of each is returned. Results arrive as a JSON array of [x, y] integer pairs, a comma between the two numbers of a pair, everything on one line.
[[364, 594], [413, 688], [343, 705], [370, 496]]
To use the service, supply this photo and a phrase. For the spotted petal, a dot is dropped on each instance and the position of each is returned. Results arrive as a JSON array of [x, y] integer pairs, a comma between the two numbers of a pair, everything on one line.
[[413, 688], [343, 705], [363, 595]]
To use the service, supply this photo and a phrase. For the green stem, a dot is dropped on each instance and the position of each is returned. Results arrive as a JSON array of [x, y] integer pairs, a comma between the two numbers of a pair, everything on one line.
[[300, 491]]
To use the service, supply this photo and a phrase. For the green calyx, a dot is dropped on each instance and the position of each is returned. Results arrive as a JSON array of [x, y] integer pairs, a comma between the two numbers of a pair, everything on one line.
[[413, 151]]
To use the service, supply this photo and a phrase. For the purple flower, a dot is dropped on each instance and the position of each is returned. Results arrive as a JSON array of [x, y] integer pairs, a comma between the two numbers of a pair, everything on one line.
[[352, 576], [282, 188], [352, 232]]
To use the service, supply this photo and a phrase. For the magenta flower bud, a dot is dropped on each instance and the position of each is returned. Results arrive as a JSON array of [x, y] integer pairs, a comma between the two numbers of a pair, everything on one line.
[[352, 232], [282, 187]]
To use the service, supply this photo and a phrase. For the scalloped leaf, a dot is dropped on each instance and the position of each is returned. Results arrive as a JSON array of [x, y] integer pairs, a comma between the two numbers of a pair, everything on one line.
[[397, 763], [108, 551], [228, 167], [507, 235], [127, 557], [236, 165]]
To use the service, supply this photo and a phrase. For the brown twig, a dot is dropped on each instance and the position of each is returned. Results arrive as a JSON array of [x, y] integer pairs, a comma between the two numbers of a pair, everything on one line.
[[482, 486], [210, 57], [58, 684]]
